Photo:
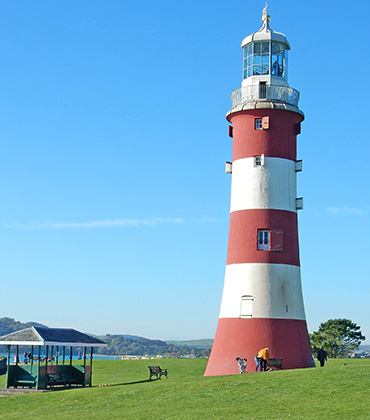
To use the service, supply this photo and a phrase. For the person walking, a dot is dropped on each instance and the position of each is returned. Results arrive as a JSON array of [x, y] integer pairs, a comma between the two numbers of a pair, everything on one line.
[[322, 356], [263, 358]]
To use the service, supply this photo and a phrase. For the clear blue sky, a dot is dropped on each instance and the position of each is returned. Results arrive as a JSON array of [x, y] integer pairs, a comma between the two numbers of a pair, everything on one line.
[[114, 202]]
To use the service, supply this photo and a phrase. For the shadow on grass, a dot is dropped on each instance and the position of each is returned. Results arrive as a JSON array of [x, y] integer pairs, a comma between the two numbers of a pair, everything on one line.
[[128, 383]]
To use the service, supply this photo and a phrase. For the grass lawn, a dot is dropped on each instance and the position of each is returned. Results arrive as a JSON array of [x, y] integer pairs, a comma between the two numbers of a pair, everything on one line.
[[336, 391]]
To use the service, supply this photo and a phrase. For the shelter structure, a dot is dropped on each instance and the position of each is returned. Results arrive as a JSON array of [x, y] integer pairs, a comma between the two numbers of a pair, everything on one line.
[[54, 366]]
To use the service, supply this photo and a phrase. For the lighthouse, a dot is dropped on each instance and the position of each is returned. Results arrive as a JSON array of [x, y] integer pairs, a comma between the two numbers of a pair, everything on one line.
[[262, 302]]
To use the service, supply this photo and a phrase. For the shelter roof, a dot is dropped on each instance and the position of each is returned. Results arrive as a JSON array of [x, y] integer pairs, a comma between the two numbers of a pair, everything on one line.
[[40, 336]]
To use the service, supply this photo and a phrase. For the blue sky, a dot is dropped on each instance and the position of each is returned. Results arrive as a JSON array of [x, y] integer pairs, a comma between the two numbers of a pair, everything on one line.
[[114, 201]]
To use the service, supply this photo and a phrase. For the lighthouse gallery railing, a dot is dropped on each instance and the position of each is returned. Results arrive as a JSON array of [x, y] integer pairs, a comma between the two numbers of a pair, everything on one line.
[[266, 93]]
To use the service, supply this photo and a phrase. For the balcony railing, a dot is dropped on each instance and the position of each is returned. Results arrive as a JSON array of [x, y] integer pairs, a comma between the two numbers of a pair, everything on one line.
[[275, 93]]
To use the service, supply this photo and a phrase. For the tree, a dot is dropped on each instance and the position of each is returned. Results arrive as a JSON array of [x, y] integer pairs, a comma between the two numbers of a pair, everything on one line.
[[337, 336]]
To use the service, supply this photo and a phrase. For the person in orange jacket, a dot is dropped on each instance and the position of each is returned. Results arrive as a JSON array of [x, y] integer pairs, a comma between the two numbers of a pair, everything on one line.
[[263, 357]]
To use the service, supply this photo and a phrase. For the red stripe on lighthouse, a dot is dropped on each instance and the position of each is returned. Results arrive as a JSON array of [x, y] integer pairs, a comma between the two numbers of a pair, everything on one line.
[[279, 140], [244, 225], [285, 338]]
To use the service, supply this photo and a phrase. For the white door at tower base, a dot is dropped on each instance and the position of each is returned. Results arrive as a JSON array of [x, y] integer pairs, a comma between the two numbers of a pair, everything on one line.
[[246, 307]]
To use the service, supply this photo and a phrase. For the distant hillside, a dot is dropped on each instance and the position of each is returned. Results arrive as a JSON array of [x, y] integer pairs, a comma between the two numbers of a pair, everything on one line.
[[201, 344], [129, 345], [139, 346], [9, 325]]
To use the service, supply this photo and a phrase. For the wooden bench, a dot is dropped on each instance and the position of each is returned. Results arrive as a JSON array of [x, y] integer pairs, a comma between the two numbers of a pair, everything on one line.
[[276, 363], [25, 380], [69, 380], [55, 379], [157, 372], [60, 379]]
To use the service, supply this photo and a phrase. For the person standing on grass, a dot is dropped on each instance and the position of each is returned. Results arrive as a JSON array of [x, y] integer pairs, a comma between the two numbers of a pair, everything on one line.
[[257, 363], [263, 358], [322, 356]]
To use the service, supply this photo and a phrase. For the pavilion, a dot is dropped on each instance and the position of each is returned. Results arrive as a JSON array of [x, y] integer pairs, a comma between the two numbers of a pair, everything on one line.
[[54, 368]]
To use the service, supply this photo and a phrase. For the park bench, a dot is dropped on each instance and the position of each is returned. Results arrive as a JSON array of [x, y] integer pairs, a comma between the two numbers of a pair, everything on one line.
[[55, 379], [69, 380], [276, 363], [61, 379], [25, 380], [157, 372]]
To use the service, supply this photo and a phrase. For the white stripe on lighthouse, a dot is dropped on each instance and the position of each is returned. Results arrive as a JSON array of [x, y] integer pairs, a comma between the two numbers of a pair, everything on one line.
[[271, 186], [273, 291]]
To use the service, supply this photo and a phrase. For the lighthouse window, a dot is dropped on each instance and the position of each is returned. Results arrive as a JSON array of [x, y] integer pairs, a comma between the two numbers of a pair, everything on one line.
[[259, 160], [262, 123], [258, 123], [265, 57], [261, 58], [248, 61], [278, 59], [263, 240]]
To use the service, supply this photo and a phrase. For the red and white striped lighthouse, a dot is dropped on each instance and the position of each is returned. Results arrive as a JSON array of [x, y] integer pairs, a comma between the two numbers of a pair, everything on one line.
[[262, 302]]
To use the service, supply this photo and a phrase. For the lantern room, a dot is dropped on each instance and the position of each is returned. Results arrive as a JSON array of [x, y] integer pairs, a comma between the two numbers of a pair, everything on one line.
[[265, 56]]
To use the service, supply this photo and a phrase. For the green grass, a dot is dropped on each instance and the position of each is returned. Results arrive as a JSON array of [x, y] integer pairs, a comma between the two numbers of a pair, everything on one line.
[[336, 391]]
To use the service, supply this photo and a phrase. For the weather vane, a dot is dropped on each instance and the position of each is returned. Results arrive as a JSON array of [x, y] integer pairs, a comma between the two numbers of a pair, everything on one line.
[[265, 16]]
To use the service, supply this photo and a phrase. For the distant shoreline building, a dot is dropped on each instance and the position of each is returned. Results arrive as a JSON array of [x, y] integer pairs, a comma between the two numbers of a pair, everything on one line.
[[262, 303], [360, 354]]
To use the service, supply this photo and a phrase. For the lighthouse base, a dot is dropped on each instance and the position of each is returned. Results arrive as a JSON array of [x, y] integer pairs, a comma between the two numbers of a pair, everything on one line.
[[235, 337]]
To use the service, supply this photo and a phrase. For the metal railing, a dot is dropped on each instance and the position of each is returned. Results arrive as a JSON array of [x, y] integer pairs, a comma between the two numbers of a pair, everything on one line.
[[265, 93]]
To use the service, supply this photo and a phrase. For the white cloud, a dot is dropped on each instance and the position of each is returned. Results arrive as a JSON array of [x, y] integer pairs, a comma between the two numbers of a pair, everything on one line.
[[154, 221], [97, 223], [208, 220], [346, 210]]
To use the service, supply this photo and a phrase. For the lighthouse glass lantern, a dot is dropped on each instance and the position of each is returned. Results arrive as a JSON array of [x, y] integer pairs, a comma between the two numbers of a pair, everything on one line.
[[262, 302], [264, 58]]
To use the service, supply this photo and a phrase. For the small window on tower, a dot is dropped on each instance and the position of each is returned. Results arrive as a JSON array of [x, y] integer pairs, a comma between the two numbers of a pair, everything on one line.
[[258, 124], [263, 240], [262, 123], [259, 160]]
